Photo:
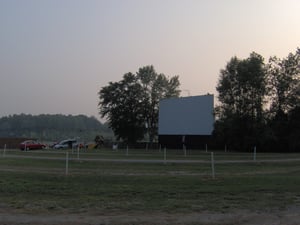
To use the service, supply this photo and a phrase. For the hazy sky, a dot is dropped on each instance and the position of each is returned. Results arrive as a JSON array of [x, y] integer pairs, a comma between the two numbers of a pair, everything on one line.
[[55, 55]]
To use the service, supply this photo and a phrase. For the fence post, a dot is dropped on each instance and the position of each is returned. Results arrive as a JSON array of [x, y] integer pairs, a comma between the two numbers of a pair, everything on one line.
[[78, 152], [67, 163], [165, 155], [254, 153], [212, 165], [184, 150], [4, 150], [127, 150]]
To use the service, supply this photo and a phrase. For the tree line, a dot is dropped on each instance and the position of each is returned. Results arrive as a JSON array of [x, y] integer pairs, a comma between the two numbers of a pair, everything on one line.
[[53, 127], [258, 103]]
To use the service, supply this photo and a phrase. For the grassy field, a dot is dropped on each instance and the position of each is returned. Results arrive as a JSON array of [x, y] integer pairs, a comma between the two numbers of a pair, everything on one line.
[[106, 180]]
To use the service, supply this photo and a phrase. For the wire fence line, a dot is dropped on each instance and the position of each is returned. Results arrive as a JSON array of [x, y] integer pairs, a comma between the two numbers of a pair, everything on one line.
[[137, 156], [212, 162]]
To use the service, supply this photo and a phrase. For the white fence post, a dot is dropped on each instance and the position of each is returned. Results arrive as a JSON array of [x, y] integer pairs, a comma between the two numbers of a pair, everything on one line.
[[78, 152], [212, 165], [4, 150], [67, 163], [254, 153], [165, 155]]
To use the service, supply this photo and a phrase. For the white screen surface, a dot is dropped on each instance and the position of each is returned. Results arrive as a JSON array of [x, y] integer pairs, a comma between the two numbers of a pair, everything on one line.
[[186, 116]]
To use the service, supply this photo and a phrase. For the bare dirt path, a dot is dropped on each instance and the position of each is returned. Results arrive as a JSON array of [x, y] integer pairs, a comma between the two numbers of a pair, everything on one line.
[[290, 216]]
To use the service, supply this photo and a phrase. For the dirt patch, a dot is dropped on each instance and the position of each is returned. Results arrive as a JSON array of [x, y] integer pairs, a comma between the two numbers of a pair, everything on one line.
[[289, 216]]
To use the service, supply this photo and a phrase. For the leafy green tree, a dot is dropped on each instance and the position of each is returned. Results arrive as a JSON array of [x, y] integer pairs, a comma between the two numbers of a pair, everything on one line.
[[283, 82], [131, 105], [241, 88], [294, 129], [284, 86], [121, 102], [155, 87]]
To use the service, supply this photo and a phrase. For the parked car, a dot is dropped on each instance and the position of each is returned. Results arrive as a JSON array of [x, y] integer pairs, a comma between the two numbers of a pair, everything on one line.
[[69, 143], [31, 145]]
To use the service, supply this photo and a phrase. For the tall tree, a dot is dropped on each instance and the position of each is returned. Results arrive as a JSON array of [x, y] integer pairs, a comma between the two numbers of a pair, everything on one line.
[[284, 86], [121, 103], [241, 89], [283, 82], [294, 129], [131, 105], [155, 87]]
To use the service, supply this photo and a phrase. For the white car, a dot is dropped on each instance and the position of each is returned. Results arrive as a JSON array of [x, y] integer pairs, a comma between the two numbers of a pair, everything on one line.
[[69, 143]]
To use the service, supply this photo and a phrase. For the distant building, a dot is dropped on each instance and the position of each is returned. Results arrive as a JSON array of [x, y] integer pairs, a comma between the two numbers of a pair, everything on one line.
[[186, 121]]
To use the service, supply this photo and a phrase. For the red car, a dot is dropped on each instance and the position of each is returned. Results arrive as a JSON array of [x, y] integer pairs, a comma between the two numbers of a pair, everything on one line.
[[31, 144]]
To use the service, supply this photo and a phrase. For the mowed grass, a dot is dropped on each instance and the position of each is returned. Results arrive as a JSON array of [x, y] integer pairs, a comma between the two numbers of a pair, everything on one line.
[[42, 185]]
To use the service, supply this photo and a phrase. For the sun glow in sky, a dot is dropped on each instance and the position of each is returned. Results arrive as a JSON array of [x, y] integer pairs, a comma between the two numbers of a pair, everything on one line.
[[55, 55]]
